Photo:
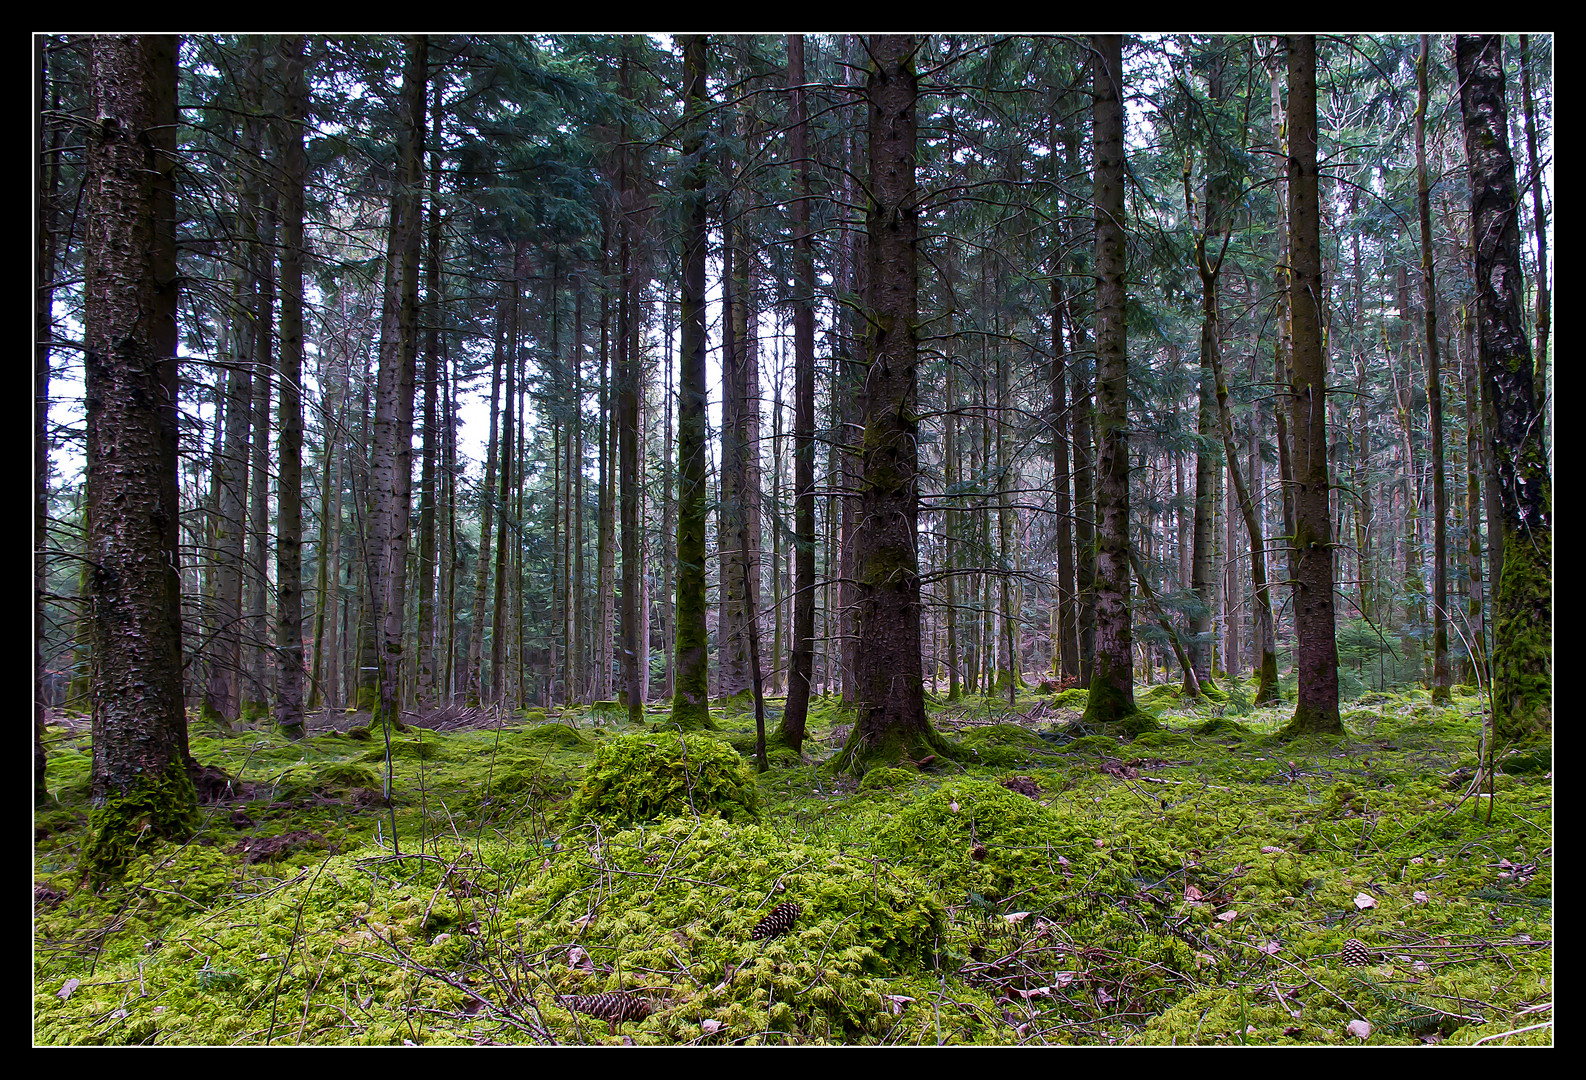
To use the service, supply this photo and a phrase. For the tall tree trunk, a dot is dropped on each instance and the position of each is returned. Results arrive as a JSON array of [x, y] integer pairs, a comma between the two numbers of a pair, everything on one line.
[[891, 721], [1434, 393], [691, 701], [140, 782], [1112, 682], [500, 624], [289, 451], [425, 695], [1317, 650], [801, 664], [43, 328], [1544, 304], [474, 695], [1523, 620], [391, 461]]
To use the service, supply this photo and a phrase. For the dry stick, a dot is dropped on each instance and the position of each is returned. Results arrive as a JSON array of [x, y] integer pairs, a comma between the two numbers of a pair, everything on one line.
[[1516, 1031]]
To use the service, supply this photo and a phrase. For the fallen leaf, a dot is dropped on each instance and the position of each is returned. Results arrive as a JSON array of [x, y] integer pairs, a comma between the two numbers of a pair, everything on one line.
[[1360, 1029], [584, 920], [1417, 861], [1062, 979], [1193, 894], [1228, 916], [1293, 1032], [578, 958], [1017, 916], [66, 991], [1421, 897], [1270, 850], [898, 1002], [1039, 991], [710, 1027], [1362, 901], [953, 806], [1104, 998], [1270, 948]]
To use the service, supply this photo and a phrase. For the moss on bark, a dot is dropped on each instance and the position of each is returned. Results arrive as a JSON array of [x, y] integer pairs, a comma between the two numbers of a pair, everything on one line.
[[1522, 660], [161, 806]]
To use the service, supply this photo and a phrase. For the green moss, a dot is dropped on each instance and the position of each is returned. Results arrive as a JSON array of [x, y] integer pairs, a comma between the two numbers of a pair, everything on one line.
[[638, 778], [1152, 740], [950, 890], [1522, 659], [1093, 744], [562, 735], [1002, 746], [161, 806], [885, 779], [1072, 698]]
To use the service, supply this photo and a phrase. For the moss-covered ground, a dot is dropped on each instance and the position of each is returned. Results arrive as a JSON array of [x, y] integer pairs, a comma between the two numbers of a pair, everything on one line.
[[1195, 885]]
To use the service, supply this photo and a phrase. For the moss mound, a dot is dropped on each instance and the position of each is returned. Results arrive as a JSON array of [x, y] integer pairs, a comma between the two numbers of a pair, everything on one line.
[[886, 778], [1154, 739], [1002, 746], [1163, 694], [1072, 698], [1092, 744], [558, 734], [1221, 726], [642, 777]]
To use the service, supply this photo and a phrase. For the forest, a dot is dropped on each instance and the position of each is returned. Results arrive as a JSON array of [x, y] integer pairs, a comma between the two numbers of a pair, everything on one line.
[[535, 534]]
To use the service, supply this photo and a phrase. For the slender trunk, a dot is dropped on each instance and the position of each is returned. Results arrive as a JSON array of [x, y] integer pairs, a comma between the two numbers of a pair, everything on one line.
[[1544, 305], [691, 701], [426, 689], [391, 461], [289, 452], [1434, 393], [1112, 682], [801, 664], [1317, 651], [474, 695]]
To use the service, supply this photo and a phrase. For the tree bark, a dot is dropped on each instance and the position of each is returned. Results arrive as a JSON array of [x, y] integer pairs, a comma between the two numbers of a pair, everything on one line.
[[1522, 658], [391, 462], [691, 700], [289, 451], [891, 723], [1112, 680], [802, 662], [141, 787], [1317, 649]]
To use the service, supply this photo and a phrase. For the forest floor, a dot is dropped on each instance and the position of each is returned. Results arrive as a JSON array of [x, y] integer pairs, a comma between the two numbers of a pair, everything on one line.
[[1203, 884]]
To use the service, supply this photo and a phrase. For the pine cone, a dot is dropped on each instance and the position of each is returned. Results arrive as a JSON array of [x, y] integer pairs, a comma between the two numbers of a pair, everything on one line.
[[779, 922], [1355, 953], [613, 1007]]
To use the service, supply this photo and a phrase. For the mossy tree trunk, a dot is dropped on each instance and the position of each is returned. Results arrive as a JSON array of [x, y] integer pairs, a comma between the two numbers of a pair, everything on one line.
[[140, 783], [1112, 680], [1317, 650], [891, 725], [691, 693], [1522, 657]]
